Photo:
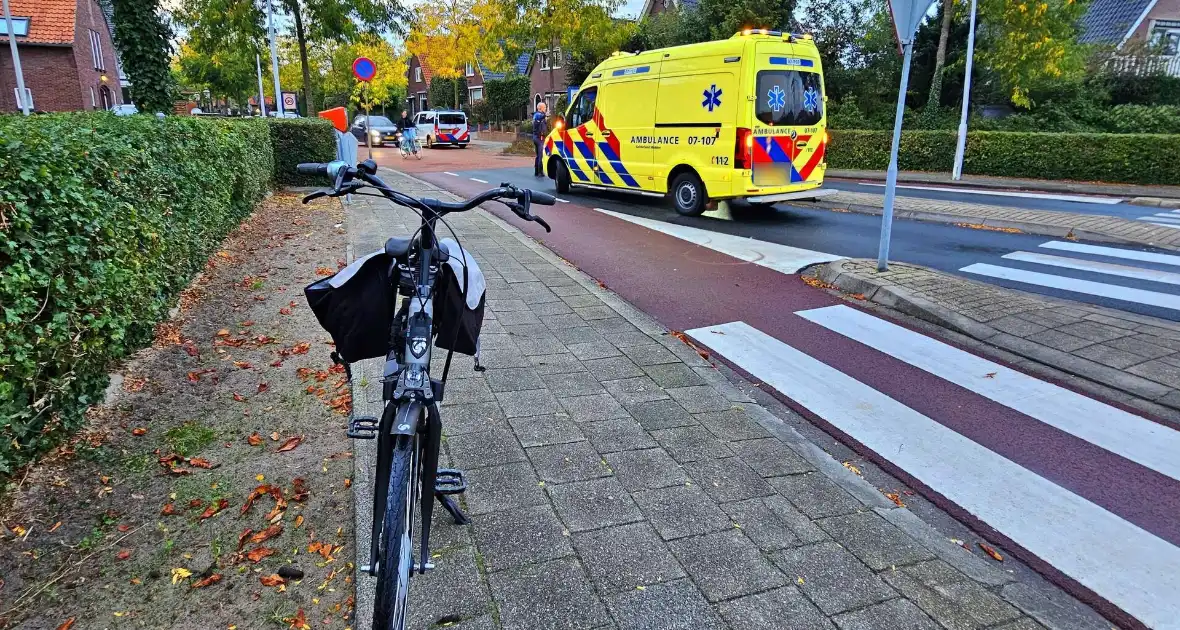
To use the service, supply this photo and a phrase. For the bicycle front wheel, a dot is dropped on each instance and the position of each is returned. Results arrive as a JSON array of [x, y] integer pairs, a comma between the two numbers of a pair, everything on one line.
[[397, 542]]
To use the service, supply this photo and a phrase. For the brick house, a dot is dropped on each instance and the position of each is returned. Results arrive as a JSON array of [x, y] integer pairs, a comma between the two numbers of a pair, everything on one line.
[[420, 72], [66, 54], [547, 75], [655, 7], [1117, 22]]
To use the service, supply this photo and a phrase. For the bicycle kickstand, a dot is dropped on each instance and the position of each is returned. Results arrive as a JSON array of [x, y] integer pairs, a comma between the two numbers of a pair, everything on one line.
[[448, 483]]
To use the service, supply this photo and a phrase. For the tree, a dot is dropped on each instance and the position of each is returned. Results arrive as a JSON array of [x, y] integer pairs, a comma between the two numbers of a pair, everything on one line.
[[507, 98], [1030, 41], [726, 17], [948, 13], [389, 84], [449, 34], [143, 40], [568, 25], [337, 21], [222, 39]]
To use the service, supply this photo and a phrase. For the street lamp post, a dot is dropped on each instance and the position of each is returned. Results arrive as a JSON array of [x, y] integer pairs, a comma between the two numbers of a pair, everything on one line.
[[961, 146], [22, 94], [274, 56], [261, 95]]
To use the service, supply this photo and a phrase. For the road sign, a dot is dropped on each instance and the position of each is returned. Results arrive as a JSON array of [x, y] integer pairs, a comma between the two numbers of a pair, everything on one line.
[[907, 16], [289, 101], [364, 68]]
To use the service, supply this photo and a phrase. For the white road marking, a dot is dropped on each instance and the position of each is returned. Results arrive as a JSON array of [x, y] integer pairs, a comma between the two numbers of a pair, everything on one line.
[[1124, 434], [478, 180], [1007, 193], [1161, 218], [1176, 227], [450, 173], [561, 200], [1138, 273], [1112, 291], [1136, 570], [1171, 214], [772, 255]]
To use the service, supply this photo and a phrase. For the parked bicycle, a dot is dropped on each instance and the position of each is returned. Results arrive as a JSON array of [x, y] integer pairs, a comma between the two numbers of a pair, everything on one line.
[[442, 291]]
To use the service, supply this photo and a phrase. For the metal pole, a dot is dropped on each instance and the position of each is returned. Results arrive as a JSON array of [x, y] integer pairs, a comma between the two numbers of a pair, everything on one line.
[[20, 75], [961, 147], [368, 136], [274, 56], [261, 95], [891, 174]]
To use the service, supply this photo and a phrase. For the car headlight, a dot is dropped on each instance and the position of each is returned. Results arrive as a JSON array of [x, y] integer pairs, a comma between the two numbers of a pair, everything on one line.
[[375, 134]]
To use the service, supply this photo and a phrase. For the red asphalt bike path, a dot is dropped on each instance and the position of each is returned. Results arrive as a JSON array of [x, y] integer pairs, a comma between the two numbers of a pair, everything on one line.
[[686, 286]]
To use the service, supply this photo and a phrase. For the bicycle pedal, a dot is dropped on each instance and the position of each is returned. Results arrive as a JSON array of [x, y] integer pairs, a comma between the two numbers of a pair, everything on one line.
[[363, 427], [418, 567], [449, 481]]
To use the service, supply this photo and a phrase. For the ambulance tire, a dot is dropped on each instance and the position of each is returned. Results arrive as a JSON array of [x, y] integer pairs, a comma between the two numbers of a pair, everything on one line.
[[561, 177], [688, 194]]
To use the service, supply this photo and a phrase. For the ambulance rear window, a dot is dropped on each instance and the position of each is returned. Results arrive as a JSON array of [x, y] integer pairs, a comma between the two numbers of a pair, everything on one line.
[[789, 97]]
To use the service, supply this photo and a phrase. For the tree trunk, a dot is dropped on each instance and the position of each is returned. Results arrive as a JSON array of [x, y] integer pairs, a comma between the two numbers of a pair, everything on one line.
[[456, 92], [948, 13], [308, 104]]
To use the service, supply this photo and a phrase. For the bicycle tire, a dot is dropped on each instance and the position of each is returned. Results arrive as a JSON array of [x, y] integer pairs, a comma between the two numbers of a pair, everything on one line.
[[397, 543]]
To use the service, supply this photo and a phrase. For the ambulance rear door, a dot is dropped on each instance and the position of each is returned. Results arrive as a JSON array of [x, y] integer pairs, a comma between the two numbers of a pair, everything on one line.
[[788, 116]]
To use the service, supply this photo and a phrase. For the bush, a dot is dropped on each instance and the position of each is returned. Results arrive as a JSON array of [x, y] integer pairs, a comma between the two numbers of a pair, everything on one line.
[[298, 140], [1127, 158], [1144, 90], [103, 221]]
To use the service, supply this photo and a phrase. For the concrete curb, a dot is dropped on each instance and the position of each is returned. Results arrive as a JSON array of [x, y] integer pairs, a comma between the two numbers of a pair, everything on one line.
[[1155, 202], [1023, 226], [1148, 395]]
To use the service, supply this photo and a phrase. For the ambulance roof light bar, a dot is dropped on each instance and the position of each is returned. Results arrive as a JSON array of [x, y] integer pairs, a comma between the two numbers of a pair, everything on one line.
[[790, 37]]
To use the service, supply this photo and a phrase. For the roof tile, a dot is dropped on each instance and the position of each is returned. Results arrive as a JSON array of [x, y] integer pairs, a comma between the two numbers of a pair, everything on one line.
[[1107, 21]]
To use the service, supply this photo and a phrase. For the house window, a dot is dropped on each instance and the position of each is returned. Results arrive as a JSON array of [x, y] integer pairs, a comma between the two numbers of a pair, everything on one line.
[[1166, 35], [20, 26], [418, 74], [543, 57], [421, 101], [476, 94], [96, 51], [555, 58], [470, 70], [93, 101]]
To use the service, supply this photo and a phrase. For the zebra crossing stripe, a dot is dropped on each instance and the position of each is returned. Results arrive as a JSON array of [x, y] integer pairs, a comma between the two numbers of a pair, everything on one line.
[[1123, 271], [1113, 252], [1074, 285], [1135, 570], [1142, 441]]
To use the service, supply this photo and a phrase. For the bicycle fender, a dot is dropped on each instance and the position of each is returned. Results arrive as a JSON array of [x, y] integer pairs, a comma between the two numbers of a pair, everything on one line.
[[406, 418]]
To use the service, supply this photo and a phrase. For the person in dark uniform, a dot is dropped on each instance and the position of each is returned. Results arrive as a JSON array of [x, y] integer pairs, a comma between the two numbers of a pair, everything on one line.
[[540, 130]]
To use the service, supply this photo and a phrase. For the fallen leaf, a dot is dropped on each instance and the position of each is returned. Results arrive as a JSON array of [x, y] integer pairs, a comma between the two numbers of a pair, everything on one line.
[[348, 482], [238, 397], [139, 431], [299, 490], [54, 528], [284, 311], [852, 467], [324, 271], [254, 439], [67, 624], [274, 579], [191, 349], [124, 554], [248, 322], [258, 492], [255, 555], [290, 444], [298, 622], [168, 510], [212, 579], [274, 436], [180, 573], [857, 296], [300, 348], [224, 332], [989, 375], [303, 373], [196, 503], [267, 534], [989, 550], [243, 365], [200, 462], [214, 508], [243, 536], [262, 387], [895, 497], [298, 521]]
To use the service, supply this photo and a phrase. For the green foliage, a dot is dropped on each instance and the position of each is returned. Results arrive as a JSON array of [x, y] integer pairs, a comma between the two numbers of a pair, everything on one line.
[[297, 140], [1144, 90], [103, 221], [1025, 42], [507, 98], [189, 438], [144, 43], [1138, 158], [222, 38], [442, 93]]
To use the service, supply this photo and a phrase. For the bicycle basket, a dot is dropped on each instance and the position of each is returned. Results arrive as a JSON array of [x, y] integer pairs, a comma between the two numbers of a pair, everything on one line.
[[355, 306], [458, 314]]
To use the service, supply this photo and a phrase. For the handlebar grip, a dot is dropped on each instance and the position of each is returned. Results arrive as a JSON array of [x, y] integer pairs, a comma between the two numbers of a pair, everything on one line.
[[545, 199], [312, 168]]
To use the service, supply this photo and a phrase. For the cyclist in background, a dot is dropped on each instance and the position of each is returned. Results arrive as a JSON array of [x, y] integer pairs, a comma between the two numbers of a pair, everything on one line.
[[409, 133]]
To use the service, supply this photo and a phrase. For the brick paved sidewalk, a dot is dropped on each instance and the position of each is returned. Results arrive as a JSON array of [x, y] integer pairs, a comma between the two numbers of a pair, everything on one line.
[[1131, 358], [1093, 227], [618, 480]]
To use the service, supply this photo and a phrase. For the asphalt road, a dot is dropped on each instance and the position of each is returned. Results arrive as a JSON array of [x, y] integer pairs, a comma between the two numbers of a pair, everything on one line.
[[944, 247]]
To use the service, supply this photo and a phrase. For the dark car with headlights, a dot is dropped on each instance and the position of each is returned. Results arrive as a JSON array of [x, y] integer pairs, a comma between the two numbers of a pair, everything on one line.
[[381, 129]]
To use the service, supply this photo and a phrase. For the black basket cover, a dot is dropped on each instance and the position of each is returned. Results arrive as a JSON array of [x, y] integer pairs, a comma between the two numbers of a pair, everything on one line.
[[355, 305], [456, 321]]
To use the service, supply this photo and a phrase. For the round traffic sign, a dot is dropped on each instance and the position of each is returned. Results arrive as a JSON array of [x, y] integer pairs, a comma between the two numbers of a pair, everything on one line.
[[364, 68]]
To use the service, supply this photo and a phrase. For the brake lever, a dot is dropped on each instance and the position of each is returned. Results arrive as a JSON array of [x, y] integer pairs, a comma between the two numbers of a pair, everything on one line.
[[315, 195]]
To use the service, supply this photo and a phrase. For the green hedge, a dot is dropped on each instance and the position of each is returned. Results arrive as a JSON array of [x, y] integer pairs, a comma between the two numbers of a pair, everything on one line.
[[103, 221], [1123, 158], [298, 140]]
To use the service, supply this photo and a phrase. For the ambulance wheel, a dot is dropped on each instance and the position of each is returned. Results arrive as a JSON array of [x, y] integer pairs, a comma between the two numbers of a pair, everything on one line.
[[688, 194], [561, 177]]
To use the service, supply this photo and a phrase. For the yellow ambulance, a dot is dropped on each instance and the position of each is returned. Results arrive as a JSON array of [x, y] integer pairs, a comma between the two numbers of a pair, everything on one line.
[[736, 118]]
